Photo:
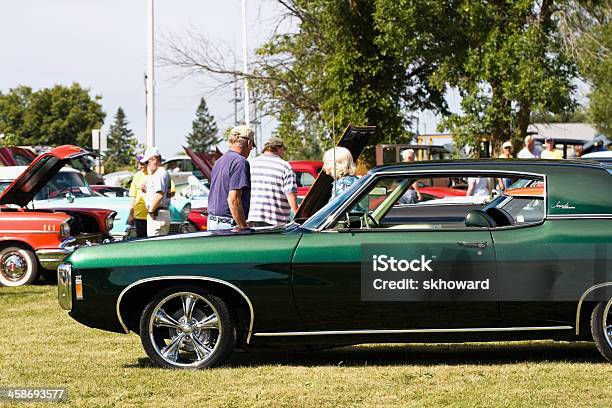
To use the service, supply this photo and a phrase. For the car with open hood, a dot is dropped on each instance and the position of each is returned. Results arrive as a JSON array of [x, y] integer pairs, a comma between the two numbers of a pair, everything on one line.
[[36, 241], [67, 188], [363, 268]]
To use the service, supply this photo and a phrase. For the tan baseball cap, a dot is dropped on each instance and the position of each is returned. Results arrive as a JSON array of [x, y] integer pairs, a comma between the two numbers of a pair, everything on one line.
[[274, 142]]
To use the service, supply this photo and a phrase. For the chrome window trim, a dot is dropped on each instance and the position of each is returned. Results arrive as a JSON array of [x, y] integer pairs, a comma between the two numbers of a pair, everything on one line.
[[579, 216], [384, 173], [408, 331], [178, 277], [584, 295]]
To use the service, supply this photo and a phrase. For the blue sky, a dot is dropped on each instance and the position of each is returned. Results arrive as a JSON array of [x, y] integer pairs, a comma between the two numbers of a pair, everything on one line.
[[102, 45]]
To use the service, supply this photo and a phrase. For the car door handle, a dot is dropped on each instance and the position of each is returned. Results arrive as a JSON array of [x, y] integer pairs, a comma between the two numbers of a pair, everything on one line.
[[480, 245]]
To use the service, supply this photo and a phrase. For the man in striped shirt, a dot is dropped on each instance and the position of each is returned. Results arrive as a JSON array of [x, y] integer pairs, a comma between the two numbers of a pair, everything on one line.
[[273, 187]]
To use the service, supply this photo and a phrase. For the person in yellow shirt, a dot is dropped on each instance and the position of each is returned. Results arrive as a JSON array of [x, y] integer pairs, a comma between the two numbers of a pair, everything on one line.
[[138, 208], [551, 152]]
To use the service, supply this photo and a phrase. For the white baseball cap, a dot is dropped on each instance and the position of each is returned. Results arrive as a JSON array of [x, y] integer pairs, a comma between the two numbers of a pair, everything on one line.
[[507, 143], [150, 152]]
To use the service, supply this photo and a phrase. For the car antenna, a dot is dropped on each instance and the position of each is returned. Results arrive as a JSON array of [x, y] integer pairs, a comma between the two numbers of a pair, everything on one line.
[[334, 139]]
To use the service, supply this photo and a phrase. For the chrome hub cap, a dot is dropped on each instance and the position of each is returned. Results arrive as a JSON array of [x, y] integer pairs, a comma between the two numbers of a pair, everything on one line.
[[14, 267], [184, 329]]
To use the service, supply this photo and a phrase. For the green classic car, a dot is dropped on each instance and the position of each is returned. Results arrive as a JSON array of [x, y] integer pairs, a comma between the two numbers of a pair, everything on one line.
[[534, 262]]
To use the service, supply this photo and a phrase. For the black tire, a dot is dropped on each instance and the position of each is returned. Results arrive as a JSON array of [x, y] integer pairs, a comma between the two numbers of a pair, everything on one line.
[[601, 328], [174, 338], [18, 266]]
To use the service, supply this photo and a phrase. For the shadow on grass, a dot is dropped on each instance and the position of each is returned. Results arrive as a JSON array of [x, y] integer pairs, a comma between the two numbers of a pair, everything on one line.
[[417, 355]]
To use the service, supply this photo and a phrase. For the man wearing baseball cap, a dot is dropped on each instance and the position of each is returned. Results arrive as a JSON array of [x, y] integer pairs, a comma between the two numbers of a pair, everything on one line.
[[273, 187], [550, 152], [157, 195], [230, 184], [504, 183]]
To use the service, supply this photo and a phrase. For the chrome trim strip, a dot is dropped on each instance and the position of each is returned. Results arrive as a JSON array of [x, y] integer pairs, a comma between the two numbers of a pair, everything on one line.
[[157, 278], [584, 295], [334, 216], [402, 331], [579, 216], [51, 258]]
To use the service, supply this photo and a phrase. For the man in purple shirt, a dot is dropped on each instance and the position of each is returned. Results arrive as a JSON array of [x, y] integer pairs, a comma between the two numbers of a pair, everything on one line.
[[230, 185]]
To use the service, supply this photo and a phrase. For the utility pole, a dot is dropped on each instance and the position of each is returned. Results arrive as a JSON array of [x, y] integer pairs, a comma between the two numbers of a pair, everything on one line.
[[150, 78], [245, 69]]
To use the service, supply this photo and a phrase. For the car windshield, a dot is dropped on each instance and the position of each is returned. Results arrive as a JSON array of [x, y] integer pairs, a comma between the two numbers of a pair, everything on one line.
[[63, 183], [320, 216]]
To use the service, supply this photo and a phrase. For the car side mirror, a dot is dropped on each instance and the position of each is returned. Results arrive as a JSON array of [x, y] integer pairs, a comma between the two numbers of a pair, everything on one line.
[[69, 197]]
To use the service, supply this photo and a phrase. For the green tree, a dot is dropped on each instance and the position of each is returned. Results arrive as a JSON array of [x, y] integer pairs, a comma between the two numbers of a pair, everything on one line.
[[204, 132], [587, 33], [513, 67], [338, 64], [343, 66], [50, 116], [121, 144]]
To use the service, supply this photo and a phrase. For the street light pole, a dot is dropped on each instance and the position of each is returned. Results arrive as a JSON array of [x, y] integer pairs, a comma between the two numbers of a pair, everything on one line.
[[245, 68], [150, 78]]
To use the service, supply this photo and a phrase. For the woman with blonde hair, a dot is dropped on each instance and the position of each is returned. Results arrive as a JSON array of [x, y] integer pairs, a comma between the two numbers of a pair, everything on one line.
[[338, 163]]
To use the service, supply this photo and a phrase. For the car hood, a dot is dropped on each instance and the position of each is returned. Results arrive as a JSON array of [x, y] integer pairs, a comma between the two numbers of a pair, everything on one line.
[[354, 138], [204, 161], [23, 189]]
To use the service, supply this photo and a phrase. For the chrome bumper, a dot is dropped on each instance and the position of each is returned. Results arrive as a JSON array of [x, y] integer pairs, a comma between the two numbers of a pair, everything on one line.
[[64, 286], [51, 258]]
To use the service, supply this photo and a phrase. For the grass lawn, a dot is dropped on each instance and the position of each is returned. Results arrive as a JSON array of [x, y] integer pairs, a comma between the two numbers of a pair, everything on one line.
[[42, 346]]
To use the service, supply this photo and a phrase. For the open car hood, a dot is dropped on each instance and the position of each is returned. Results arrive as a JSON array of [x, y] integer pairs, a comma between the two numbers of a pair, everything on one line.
[[23, 189], [204, 161], [354, 138]]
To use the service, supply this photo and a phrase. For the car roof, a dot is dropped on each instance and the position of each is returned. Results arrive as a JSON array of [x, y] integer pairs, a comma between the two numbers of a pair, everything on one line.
[[606, 153], [12, 172], [517, 165]]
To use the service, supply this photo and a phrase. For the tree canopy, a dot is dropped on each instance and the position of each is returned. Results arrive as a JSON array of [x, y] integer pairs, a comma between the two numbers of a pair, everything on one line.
[[204, 132], [379, 62], [587, 31], [513, 68], [50, 116], [121, 144]]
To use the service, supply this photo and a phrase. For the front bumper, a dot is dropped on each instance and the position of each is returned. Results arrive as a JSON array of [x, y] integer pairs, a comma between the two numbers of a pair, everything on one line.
[[50, 259], [64, 286]]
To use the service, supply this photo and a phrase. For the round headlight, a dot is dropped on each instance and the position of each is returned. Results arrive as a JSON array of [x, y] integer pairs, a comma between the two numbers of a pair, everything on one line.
[[65, 229], [185, 211], [110, 221]]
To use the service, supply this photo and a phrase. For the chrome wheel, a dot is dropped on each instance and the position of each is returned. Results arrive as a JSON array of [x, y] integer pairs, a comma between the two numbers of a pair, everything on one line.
[[601, 328], [18, 266], [185, 330], [14, 266], [607, 322]]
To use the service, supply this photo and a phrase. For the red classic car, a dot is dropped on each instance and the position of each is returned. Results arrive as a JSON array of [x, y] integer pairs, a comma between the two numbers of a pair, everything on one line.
[[36, 241], [306, 172], [198, 219]]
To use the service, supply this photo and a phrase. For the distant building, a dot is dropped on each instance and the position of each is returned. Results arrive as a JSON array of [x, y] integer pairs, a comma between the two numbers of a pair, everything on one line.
[[561, 131]]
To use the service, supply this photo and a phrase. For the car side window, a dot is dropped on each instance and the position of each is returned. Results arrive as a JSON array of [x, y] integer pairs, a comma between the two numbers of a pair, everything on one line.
[[470, 200]]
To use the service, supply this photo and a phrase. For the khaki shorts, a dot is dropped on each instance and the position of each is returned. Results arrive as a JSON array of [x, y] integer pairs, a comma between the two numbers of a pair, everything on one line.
[[160, 225]]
